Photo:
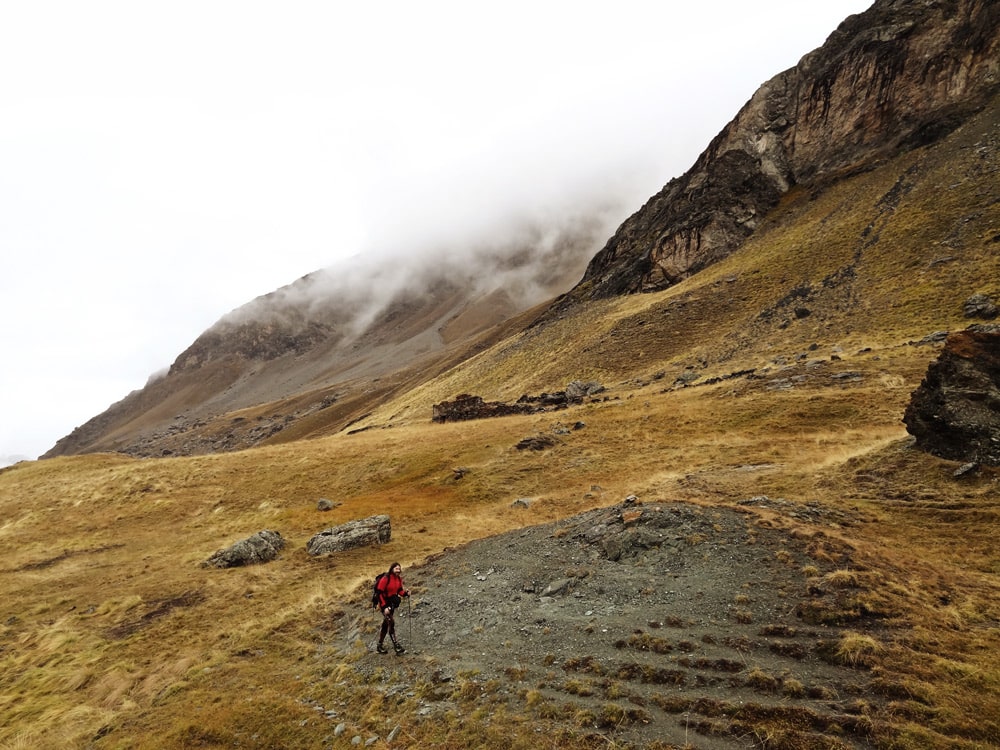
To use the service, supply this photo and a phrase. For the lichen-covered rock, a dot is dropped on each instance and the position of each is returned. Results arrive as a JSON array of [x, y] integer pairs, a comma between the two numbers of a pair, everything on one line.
[[262, 547], [365, 532], [955, 413], [980, 306]]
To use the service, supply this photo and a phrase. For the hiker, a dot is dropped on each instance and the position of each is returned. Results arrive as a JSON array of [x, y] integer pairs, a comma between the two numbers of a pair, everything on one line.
[[388, 589]]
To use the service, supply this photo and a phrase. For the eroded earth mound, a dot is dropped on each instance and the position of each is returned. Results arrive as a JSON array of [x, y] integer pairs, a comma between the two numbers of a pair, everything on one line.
[[664, 621]]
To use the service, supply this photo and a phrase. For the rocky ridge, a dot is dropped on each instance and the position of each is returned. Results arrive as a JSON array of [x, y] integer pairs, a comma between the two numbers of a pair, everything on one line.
[[901, 75]]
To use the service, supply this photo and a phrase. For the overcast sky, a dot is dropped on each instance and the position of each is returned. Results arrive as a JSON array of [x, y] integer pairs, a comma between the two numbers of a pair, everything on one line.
[[162, 163]]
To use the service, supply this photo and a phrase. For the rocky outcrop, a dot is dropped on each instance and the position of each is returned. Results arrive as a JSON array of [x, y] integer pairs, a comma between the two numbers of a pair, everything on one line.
[[262, 547], [955, 413], [365, 532], [466, 406], [980, 306], [903, 74]]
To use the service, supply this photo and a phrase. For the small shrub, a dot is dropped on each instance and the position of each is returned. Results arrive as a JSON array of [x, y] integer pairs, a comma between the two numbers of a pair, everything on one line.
[[612, 716], [761, 680], [821, 693], [645, 642], [614, 690], [533, 698], [792, 688], [515, 674], [583, 664], [671, 704], [578, 687], [842, 579], [858, 650], [794, 650]]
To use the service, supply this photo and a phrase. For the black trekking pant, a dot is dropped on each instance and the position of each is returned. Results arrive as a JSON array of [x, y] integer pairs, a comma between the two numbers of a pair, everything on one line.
[[388, 625]]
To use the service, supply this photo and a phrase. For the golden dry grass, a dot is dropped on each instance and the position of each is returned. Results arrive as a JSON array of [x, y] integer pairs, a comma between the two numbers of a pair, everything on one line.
[[110, 622], [113, 636]]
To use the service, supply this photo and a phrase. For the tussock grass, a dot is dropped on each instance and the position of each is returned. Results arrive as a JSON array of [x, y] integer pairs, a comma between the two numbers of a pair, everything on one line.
[[856, 649]]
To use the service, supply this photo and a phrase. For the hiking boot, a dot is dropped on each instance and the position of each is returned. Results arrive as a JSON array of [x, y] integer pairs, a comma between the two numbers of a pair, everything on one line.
[[399, 648], [381, 649]]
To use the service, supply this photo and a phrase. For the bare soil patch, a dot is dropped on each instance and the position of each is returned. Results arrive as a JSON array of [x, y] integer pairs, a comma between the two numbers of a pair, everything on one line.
[[663, 622]]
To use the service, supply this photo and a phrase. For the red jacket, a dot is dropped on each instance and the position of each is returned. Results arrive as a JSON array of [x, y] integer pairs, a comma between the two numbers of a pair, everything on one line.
[[390, 588]]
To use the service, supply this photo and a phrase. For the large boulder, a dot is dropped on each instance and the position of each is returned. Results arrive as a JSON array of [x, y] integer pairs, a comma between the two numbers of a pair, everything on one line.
[[955, 413], [365, 532], [262, 547]]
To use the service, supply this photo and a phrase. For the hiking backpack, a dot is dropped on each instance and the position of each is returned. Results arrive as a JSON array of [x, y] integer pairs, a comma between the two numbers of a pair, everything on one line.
[[375, 591]]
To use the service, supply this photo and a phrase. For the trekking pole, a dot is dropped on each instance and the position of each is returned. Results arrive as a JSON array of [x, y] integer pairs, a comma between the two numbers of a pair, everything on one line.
[[409, 619]]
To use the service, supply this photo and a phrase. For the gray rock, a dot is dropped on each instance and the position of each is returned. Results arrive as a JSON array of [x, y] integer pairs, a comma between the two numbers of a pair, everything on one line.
[[980, 306], [365, 532], [558, 587], [262, 547], [970, 468], [576, 391]]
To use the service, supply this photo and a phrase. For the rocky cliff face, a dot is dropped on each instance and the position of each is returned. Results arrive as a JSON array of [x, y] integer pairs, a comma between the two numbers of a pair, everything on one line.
[[901, 75], [955, 413]]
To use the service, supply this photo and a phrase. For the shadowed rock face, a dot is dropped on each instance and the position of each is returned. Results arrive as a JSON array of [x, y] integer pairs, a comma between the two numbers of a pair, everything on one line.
[[901, 75], [955, 413]]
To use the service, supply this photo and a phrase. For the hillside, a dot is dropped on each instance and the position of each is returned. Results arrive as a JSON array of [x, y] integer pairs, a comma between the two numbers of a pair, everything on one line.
[[876, 624], [312, 357], [734, 545], [317, 356]]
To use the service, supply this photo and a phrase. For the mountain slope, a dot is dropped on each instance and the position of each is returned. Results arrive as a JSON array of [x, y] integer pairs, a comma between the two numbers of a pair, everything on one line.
[[898, 76], [318, 355], [736, 544], [842, 279]]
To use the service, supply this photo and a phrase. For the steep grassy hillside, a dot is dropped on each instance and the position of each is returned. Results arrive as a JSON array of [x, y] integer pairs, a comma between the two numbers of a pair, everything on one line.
[[113, 636]]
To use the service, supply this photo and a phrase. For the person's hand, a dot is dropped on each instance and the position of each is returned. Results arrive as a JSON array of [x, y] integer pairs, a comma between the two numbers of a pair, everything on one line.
[[406, 593]]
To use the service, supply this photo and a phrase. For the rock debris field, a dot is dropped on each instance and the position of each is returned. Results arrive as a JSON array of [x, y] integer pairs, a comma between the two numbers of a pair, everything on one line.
[[663, 621]]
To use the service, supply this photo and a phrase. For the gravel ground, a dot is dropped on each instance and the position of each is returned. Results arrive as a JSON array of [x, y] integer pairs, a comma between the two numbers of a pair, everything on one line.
[[668, 622]]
